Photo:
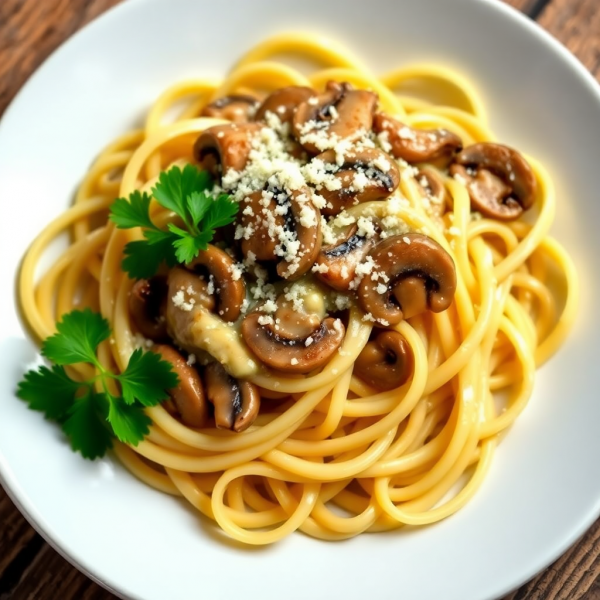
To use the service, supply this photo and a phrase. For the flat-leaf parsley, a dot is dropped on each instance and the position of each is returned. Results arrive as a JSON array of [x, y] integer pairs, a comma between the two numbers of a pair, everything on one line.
[[88, 412]]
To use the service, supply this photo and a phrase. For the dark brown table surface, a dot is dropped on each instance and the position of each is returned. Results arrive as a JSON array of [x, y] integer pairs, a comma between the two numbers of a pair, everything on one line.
[[29, 568]]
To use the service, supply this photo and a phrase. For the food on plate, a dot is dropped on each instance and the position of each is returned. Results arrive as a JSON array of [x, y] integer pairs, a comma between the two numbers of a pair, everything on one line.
[[299, 308]]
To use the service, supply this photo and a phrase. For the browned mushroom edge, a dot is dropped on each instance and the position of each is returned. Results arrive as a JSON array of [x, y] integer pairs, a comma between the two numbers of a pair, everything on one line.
[[229, 291], [236, 403], [223, 147], [292, 355], [147, 307], [284, 102], [386, 362], [188, 395], [340, 112], [415, 274], [416, 145], [432, 185], [336, 264], [501, 183], [365, 175], [237, 108]]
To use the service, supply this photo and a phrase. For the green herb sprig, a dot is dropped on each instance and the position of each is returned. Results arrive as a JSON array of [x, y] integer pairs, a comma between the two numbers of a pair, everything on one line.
[[91, 418], [188, 194]]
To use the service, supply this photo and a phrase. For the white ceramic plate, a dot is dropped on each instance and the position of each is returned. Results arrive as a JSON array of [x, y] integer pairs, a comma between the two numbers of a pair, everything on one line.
[[543, 490]]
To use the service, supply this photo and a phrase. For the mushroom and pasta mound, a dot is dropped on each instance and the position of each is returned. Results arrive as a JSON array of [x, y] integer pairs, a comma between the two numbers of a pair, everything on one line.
[[305, 296]]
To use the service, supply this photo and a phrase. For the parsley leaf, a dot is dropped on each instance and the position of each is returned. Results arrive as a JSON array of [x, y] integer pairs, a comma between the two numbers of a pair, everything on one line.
[[86, 432], [90, 418], [79, 334], [50, 391], [221, 212], [129, 422], [186, 193], [146, 379], [134, 212]]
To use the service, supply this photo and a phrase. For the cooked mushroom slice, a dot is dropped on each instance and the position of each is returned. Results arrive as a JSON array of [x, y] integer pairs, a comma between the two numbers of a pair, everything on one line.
[[230, 292], [300, 241], [419, 275], [365, 175], [225, 147], [188, 396], [259, 223], [341, 259], [147, 305], [292, 354], [500, 181], [237, 108], [386, 362], [284, 102], [416, 145], [339, 113], [432, 184], [236, 402]]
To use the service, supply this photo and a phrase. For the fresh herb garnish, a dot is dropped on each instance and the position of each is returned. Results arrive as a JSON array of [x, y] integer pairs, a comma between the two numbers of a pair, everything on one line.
[[185, 192], [88, 417]]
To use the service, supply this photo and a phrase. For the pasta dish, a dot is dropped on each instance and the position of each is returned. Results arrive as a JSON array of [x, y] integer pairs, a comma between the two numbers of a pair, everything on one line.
[[353, 284]]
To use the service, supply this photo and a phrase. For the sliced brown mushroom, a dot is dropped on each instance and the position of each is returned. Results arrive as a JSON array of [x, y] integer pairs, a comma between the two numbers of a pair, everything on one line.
[[229, 290], [304, 219], [365, 175], [336, 264], [188, 396], [237, 108], [223, 147], [284, 102], [416, 145], [147, 307], [236, 403], [500, 181], [259, 223], [416, 275], [302, 354], [432, 185], [386, 362], [339, 113]]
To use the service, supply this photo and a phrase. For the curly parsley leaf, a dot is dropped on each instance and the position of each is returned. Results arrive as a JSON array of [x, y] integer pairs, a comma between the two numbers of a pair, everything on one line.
[[186, 193], [50, 391], [79, 334], [90, 418], [146, 379], [134, 212], [86, 431]]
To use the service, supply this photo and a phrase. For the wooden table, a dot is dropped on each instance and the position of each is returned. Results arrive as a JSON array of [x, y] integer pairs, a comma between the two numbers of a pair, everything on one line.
[[32, 570]]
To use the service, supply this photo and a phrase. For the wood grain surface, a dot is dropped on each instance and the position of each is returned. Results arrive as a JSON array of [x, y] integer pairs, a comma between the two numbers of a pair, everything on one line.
[[29, 31]]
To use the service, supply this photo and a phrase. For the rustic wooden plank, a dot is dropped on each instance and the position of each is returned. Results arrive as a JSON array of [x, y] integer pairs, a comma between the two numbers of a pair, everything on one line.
[[29, 568], [576, 23], [31, 30]]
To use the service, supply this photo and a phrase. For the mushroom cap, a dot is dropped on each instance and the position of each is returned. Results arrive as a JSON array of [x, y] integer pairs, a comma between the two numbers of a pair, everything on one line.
[[431, 182], [284, 102], [147, 307], [352, 114], [292, 355], [230, 292], [386, 362], [236, 403], [225, 147], [504, 184], [188, 395], [342, 258], [237, 108], [416, 145], [378, 182], [420, 276]]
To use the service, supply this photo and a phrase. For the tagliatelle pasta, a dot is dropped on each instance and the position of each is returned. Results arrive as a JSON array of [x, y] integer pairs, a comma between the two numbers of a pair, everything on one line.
[[329, 452]]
